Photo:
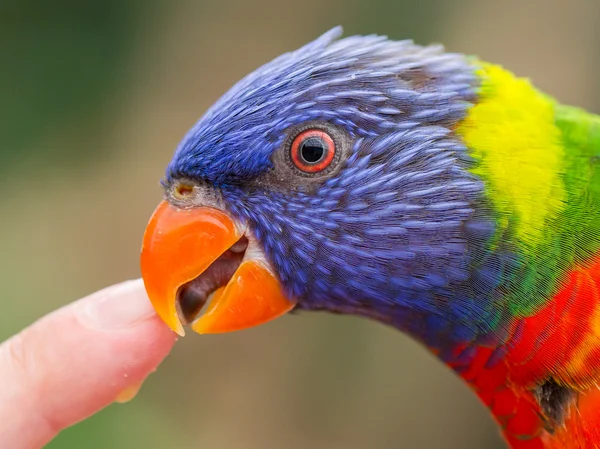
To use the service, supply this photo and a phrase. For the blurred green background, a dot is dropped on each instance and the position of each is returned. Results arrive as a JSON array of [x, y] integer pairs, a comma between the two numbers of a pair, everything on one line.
[[94, 98]]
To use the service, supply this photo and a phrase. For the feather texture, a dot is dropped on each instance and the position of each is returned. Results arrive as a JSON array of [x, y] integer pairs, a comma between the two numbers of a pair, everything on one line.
[[465, 211]]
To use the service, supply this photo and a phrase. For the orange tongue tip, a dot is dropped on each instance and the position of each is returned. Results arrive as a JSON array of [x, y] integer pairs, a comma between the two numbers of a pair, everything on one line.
[[179, 244]]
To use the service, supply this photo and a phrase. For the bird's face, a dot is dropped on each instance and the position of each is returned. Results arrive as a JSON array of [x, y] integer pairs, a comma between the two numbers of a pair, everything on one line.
[[330, 178]]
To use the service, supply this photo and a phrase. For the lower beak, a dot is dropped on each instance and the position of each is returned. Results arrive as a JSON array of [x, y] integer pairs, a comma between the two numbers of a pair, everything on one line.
[[179, 247]]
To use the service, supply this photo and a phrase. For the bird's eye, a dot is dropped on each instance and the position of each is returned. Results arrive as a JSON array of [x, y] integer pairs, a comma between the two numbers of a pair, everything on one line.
[[312, 151]]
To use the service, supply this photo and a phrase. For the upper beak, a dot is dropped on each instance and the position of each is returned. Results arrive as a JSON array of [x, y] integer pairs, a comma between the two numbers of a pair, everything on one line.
[[179, 248]]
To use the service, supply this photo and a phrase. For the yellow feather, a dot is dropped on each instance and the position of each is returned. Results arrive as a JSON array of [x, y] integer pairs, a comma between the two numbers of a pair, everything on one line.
[[512, 134]]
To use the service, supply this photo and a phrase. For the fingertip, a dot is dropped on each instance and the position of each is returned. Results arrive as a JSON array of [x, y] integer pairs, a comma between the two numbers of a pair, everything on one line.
[[79, 359], [117, 307]]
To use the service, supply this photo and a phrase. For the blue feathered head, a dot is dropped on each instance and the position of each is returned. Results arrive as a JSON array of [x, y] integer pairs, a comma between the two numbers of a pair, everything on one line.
[[339, 165]]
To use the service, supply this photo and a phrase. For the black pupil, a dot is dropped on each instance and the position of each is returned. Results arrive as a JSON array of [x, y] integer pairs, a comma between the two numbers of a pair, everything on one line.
[[312, 150]]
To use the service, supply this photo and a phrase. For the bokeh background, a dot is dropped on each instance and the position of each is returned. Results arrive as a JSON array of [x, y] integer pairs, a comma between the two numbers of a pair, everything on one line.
[[94, 97]]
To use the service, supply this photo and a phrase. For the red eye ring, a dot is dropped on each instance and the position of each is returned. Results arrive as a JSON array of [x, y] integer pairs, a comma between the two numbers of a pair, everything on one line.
[[312, 151]]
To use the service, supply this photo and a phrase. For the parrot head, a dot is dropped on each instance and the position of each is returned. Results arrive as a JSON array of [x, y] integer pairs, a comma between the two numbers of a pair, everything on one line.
[[331, 178], [427, 190]]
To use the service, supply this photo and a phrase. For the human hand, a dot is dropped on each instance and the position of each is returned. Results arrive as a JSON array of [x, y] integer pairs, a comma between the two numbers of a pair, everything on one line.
[[77, 360]]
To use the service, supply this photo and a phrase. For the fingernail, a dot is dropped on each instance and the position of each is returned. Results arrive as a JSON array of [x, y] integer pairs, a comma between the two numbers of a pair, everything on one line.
[[129, 393], [118, 307]]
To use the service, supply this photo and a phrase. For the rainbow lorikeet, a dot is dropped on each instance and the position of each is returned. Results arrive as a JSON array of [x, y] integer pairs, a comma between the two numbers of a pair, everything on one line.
[[431, 191]]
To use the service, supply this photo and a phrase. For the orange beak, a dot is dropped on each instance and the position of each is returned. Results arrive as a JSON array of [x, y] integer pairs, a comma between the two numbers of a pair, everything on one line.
[[180, 245]]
